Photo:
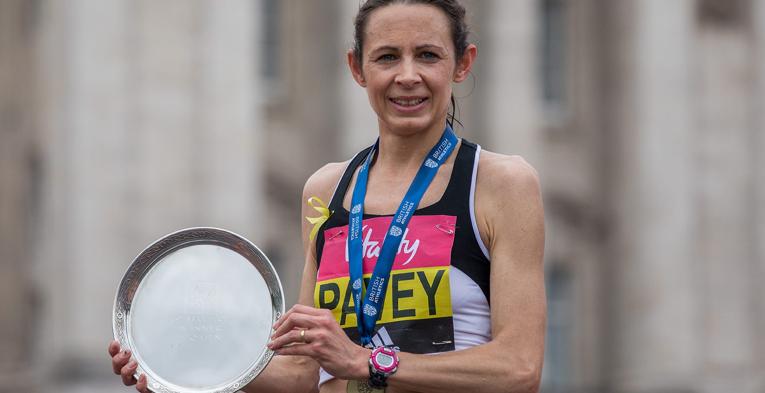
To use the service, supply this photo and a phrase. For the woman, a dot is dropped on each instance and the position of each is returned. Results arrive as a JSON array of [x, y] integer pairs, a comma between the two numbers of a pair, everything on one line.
[[454, 262]]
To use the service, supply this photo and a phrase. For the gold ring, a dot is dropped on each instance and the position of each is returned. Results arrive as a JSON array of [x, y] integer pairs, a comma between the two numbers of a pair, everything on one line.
[[302, 335]]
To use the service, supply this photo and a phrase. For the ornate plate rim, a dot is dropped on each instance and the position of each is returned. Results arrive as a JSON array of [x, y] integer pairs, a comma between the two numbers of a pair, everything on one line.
[[167, 244]]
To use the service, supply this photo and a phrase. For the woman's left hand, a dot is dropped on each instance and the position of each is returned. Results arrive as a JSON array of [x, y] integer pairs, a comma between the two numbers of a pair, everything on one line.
[[313, 332]]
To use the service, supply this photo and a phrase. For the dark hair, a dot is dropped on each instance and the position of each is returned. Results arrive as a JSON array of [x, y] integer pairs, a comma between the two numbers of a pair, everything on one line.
[[454, 11]]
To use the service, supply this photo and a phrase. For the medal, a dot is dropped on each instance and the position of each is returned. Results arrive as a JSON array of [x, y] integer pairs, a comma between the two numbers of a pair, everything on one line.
[[361, 387]]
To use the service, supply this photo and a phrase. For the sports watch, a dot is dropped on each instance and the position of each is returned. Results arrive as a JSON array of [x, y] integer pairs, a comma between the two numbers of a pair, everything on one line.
[[383, 362]]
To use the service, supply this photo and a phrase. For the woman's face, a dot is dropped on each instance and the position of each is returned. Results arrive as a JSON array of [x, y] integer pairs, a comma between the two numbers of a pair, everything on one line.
[[408, 65]]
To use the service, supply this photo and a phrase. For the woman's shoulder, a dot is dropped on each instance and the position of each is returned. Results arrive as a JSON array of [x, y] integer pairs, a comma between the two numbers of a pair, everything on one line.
[[502, 171], [505, 181], [508, 198], [323, 182]]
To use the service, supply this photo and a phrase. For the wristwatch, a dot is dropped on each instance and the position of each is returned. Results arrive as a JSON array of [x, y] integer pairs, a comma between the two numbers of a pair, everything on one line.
[[383, 362]]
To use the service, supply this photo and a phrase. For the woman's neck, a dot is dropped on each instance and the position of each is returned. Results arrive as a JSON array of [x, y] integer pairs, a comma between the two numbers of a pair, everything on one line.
[[406, 152]]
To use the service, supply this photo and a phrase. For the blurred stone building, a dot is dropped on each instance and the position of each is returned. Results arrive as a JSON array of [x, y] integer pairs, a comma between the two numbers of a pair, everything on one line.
[[121, 121]]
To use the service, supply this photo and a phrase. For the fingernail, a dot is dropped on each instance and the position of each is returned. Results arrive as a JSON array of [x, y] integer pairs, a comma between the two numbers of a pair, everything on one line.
[[132, 364]]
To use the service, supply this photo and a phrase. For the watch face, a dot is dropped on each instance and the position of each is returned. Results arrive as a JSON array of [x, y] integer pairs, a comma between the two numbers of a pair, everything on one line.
[[384, 360]]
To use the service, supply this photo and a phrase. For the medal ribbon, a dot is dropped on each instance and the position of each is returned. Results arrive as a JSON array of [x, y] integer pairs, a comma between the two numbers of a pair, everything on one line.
[[368, 311]]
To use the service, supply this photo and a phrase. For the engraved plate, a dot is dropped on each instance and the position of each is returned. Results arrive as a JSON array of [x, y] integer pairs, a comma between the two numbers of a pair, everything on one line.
[[196, 308]]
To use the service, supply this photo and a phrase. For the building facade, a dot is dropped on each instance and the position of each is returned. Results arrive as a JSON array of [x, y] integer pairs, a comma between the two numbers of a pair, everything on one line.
[[125, 120]]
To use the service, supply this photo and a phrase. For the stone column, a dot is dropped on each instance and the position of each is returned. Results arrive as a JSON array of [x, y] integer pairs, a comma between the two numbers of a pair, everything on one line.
[[758, 162], [19, 192], [654, 327], [509, 83], [229, 156], [87, 233], [153, 125], [359, 120], [725, 223]]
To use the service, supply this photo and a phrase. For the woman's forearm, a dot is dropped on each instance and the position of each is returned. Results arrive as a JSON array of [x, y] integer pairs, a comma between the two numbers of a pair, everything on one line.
[[486, 368], [286, 374]]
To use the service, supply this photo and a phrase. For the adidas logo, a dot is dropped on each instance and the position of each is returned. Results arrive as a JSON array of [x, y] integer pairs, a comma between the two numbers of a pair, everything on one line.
[[382, 339]]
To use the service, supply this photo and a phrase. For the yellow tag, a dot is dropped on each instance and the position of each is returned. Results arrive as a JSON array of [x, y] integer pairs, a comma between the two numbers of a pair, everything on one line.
[[320, 219]]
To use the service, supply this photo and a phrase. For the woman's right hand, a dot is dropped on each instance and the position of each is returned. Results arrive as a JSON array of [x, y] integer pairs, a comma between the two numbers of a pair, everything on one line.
[[125, 367]]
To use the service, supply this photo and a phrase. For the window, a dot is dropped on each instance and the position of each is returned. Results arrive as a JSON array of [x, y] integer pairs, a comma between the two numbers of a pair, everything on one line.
[[723, 13], [555, 377], [271, 41], [552, 53]]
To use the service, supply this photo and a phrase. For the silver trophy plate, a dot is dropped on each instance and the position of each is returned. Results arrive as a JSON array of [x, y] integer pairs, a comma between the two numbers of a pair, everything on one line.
[[196, 308]]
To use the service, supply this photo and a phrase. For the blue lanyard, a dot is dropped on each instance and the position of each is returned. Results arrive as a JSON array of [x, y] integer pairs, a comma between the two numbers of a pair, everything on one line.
[[369, 312]]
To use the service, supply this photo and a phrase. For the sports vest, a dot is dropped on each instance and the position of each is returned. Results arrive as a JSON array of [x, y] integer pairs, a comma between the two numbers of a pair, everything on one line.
[[438, 294]]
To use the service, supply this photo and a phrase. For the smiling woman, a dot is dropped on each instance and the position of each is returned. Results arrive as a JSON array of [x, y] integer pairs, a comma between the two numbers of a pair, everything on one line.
[[427, 276], [407, 61], [457, 26]]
